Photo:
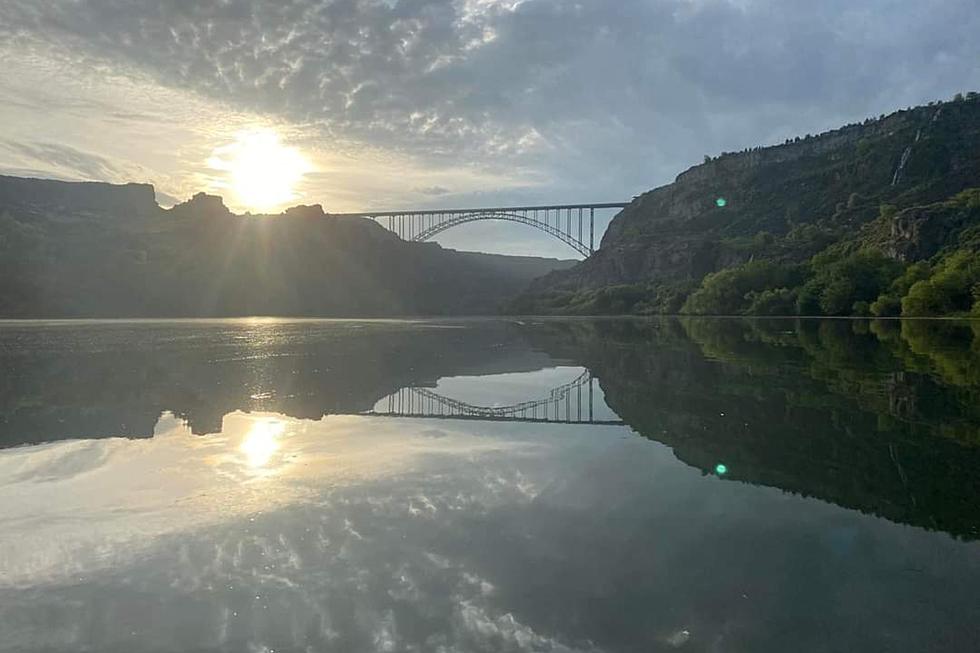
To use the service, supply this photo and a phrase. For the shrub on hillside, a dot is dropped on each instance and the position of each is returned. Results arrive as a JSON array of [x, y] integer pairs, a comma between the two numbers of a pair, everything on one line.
[[775, 301], [733, 291], [838, 283], [949, 290], [889, 303]]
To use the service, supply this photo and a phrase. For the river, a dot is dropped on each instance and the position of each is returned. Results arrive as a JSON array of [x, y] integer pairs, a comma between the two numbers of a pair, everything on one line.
[[490, 485]]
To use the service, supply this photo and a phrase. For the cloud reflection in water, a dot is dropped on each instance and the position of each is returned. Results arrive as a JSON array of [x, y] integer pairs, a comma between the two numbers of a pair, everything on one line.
[[76, 506], [373, 534]]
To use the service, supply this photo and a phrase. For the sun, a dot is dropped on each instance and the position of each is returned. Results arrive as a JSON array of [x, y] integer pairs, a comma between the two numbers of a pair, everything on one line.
[[260, 170]]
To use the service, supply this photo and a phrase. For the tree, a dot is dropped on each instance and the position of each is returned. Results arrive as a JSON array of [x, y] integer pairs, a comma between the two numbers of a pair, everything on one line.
[[838, 282], [776, 301], [949, 290], [889, 303], [733, 291]]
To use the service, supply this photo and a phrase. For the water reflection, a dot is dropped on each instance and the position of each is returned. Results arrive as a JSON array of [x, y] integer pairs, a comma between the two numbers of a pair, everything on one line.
[[84, 505], [560, 395], [742, 485], [878, 416], [262, 441]]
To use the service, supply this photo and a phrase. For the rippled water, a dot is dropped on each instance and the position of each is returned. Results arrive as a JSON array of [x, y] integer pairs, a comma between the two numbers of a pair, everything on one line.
[[490, 485]]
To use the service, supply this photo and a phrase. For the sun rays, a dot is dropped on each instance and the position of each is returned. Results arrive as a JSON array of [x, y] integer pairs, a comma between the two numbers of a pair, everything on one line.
[[260, 170]]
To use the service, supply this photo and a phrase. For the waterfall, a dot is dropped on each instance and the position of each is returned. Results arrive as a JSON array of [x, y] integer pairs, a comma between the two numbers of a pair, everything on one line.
[[897, 177]]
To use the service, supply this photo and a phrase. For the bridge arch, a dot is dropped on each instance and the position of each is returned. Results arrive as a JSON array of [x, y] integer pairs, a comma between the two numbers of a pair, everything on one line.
[[573, 224], [579, 246]]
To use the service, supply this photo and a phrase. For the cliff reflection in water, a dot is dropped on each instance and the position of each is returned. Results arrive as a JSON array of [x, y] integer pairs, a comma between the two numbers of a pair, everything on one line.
[[876, 416], [883, 417]]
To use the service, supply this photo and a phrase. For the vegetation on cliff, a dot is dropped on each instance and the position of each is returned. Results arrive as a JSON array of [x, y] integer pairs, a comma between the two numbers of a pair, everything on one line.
[[880, 218]]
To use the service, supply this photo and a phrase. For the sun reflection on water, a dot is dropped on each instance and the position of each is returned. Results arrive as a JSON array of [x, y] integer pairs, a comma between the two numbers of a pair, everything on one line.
[[262, 441]]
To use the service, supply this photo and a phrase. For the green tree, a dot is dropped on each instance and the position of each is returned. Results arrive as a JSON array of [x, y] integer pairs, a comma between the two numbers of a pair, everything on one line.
[[950, 288], [838, 283], [734, 290], [889, 303], [775, 301]]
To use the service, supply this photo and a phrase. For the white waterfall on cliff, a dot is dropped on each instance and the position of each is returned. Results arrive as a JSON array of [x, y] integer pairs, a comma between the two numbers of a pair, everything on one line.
[[897, 176]]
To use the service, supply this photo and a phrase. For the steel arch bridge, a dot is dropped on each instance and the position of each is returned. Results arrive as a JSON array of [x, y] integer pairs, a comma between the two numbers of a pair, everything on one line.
[[570, 403], [573, 224]]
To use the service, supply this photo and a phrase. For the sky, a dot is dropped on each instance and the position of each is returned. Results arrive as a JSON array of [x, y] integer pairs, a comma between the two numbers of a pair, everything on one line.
[[391, 104]]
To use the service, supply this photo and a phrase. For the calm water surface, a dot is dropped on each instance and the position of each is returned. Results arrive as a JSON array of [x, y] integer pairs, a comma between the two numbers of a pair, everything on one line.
[[586, 485]]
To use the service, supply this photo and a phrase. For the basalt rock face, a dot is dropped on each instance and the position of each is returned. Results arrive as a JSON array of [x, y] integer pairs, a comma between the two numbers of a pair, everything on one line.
[[920, 232], [98, 250], [707, 219], [76, 197], [202, 205]]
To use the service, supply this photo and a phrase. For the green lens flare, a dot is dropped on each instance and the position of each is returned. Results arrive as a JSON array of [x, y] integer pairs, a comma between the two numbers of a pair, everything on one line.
[[721, 469], [721, 202]]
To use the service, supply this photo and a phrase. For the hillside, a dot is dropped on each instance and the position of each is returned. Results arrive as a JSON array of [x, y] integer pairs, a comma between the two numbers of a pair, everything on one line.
[[102, 250], [825, 224]]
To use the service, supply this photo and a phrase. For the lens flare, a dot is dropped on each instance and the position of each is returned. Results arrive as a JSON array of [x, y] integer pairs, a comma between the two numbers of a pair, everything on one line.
[[721, 469], [721, 202]]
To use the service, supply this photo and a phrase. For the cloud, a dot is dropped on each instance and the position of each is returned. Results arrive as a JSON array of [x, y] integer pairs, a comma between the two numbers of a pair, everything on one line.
[[75, 163], [595, 100], [501, 79], [166, 200], [433, 190]]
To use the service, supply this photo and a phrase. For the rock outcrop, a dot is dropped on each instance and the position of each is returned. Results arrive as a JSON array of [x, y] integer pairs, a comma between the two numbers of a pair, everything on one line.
[[202, 206], [705, 220], [129, 199]]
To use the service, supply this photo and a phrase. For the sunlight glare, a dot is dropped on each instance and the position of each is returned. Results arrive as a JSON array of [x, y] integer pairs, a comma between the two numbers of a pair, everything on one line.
[[261, 171], [262, 441]]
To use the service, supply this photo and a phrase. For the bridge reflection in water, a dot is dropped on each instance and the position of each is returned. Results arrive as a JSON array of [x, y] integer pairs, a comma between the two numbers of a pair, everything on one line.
[[570, 403]]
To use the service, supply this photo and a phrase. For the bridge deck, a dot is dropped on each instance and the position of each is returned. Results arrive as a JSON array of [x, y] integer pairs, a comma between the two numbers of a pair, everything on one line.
[[487, 418]]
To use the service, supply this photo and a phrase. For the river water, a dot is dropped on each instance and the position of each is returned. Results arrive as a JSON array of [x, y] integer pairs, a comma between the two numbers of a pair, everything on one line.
[[490, 485]]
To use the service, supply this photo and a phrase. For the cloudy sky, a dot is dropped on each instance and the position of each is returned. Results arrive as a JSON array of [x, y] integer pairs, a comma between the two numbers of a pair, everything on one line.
[[435, 103]]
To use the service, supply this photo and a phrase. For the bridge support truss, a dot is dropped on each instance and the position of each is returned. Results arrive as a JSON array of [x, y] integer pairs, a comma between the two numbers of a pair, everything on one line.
[[573, 224], [571, 403]]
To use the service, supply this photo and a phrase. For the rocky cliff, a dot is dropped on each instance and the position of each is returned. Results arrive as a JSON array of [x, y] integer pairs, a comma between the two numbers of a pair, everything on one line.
[[73, 198], [100, 250], [783, 203]]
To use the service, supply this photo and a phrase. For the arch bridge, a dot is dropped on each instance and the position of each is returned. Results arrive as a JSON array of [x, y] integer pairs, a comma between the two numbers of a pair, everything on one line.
[[573, 224]]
